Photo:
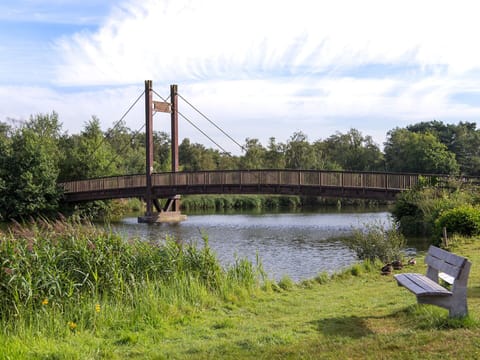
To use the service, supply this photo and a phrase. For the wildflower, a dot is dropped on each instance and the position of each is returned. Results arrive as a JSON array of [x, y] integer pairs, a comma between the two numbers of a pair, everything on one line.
[[97, 308], [72, 325], [45, 302]]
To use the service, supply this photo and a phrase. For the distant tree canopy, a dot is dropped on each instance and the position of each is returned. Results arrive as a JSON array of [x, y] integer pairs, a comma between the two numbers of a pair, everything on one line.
[[37, 155], [418, 152], [463, 140]]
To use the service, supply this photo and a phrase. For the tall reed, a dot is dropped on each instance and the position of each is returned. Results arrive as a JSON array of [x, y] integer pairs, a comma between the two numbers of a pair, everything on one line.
[[52, 271]]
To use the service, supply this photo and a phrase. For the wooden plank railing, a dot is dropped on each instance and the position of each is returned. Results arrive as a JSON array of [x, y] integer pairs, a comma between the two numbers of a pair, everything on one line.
[[345, 179]]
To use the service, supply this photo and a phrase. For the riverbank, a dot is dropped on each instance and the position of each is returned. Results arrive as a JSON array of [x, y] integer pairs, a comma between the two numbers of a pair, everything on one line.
[[356, 314]]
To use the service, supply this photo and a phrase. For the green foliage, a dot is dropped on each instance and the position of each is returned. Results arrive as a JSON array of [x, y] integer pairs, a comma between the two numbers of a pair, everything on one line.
[[376, 242], [462, 139], [29, 169], [322, 278], [418, 210], [254, 157], [353, 151], [239, 202], [299, 154], [88, 155], [101, 210], [286, 283], [407, 151], [463, 220]]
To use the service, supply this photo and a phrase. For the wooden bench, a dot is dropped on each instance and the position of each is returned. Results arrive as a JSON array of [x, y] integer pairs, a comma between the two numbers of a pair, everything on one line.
[[447, 266]]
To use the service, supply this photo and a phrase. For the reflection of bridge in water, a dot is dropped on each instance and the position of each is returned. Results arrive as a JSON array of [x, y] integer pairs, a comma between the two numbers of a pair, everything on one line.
[[338, 184]]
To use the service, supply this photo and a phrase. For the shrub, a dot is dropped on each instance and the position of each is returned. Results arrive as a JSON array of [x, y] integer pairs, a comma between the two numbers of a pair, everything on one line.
[[286, 283], [376, 241], [462, 220]]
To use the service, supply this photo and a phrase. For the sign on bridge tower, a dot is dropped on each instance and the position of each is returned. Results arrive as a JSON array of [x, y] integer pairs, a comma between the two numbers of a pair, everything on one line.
[[170, 211]]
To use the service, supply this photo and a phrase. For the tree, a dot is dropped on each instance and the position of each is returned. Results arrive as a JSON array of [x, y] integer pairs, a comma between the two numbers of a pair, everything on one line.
[[129, 149], [463, 140], [162, 151], [353, 151], [254, 157], [275, 155], [299, 154], [407, 151], [29, 169], [89, 154], [194, 157]]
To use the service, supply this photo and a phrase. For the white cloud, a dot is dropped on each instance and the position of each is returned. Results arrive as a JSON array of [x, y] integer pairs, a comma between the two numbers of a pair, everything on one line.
[[269, 68], [197, 40]]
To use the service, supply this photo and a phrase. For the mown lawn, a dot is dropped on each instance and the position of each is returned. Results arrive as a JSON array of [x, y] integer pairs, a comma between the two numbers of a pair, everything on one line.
[[366, 316]]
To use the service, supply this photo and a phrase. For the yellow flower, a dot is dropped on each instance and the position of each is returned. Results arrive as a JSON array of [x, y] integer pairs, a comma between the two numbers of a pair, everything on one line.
[[45, 301], [72, 325], [97, 308]]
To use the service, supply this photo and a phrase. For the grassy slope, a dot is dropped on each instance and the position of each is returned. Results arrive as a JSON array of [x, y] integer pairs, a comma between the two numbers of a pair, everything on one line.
[[365, 316]]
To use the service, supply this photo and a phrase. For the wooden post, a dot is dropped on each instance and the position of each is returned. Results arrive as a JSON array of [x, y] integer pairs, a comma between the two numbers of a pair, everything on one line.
[[174, 118], [149, 146], [174, 135]]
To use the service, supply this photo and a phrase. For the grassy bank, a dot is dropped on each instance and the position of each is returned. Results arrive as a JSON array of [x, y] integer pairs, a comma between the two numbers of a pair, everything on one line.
[[355, 314]]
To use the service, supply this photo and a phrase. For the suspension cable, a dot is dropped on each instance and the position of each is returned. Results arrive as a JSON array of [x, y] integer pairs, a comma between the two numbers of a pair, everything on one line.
[[204, 134], [211, 122], [107, 135], [160, 96], [193, 124]]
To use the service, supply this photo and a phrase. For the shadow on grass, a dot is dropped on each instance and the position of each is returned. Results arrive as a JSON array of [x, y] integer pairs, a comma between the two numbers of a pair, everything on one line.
[[352, 326], [425, 317]]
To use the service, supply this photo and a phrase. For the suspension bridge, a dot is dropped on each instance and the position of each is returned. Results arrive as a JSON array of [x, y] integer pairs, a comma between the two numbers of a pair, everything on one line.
[[153, 187]]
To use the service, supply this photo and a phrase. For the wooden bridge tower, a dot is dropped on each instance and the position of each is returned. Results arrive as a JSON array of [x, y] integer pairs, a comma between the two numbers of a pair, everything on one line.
[[170, 211]]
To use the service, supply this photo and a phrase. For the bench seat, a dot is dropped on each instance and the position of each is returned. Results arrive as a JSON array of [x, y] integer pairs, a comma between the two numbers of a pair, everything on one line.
[[421, 285]]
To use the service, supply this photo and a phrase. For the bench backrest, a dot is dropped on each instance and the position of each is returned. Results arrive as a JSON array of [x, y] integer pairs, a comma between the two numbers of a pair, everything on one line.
[[444, 261]]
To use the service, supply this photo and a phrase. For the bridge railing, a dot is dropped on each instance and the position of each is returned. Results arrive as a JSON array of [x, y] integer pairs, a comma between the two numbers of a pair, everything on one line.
[[367, 180]]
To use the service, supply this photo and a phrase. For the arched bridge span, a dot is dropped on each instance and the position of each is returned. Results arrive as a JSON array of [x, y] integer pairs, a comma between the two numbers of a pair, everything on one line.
[[342, 184]]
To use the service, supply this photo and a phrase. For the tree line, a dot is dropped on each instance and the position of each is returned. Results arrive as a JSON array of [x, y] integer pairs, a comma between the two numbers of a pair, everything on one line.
[[38, 154]]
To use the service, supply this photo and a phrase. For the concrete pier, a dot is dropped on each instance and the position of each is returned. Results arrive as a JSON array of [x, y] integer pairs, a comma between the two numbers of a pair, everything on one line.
[[163, 217]]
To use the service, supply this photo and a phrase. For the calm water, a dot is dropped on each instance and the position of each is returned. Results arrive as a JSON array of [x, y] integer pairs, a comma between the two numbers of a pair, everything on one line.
[[299, 245]]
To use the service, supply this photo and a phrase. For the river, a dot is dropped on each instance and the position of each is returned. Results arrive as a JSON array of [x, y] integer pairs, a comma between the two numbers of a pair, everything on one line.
[[298, 245]]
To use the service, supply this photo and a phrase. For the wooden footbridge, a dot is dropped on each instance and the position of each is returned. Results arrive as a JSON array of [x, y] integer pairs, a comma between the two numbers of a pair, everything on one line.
[[341, 184], [171, 185]]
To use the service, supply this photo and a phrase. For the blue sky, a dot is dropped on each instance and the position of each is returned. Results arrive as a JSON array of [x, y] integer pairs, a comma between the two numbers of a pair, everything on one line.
[[258, 68]]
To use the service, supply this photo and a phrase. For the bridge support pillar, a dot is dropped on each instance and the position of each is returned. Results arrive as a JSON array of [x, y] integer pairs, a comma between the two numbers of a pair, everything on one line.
[[171, 211], [163, 217]]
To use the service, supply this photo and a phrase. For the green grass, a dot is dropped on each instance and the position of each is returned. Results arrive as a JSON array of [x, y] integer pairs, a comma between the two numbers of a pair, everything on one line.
[[358, 314]]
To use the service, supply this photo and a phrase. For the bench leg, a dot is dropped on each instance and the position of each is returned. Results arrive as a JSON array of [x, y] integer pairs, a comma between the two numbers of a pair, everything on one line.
[[459, 311], [456, 307]]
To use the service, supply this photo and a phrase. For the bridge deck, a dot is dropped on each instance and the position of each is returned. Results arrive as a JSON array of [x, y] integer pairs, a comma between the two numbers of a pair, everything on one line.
[[291, 182]]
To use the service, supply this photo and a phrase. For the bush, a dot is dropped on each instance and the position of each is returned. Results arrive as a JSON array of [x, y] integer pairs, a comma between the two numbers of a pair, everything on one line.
[[417, 211], [462, 220], [376, 242], [286, 283]]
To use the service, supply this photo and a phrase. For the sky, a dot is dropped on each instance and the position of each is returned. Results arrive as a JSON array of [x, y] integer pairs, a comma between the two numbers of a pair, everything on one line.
[[257, 68]]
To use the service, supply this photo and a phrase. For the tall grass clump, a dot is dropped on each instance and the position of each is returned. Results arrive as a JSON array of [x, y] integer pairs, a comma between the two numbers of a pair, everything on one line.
[[66, 267], [376, 242]]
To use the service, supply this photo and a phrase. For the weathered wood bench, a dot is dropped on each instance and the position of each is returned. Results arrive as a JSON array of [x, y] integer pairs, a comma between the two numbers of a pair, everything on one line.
[[447, 266]]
